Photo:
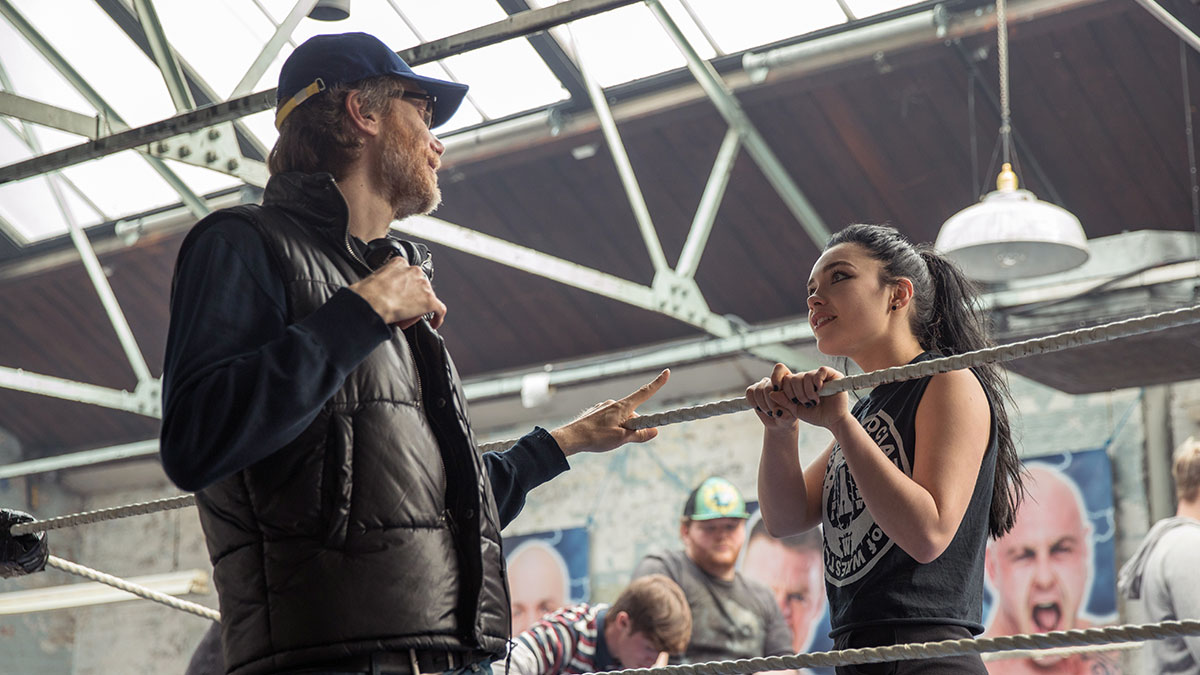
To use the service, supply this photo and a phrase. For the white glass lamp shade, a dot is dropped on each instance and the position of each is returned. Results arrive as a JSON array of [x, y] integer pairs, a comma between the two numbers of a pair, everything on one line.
[[1011, 234]]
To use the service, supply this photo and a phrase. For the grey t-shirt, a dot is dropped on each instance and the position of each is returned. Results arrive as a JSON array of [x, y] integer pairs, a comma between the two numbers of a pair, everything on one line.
[[730, 619], [1171, 593]]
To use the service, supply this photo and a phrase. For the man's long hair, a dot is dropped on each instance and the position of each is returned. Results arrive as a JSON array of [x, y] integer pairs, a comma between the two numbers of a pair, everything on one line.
[[318, 135]]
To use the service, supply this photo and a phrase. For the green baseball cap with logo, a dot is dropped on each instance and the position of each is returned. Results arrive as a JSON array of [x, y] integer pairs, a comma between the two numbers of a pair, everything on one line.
[[715, 498]]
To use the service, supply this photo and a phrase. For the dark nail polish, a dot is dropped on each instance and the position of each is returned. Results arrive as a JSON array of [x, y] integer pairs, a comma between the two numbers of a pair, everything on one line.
[[770, 414], [809, 404], [758, 408], [779, 413], [795, 400], [774, 388]]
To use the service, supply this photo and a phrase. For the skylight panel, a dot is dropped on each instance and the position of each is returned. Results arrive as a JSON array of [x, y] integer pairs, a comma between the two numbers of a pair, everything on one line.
[[507, 78], [742, 25], [435, 20], [277, 9], [104, 56], [32, 77], [122, 184], [50, 140], [243, 29], [865, 8], [270, 77], [626, 44], [27, 205], [201, 180], [81, 211], [683, 17], [467, 116], [47, 140], [262, 125], [376, 18]]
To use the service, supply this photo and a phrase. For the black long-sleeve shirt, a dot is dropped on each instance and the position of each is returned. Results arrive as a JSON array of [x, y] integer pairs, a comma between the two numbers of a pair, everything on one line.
[[239, 383]]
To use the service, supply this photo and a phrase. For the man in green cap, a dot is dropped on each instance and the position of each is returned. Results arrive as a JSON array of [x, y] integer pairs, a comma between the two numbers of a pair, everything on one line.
[[733, 617]]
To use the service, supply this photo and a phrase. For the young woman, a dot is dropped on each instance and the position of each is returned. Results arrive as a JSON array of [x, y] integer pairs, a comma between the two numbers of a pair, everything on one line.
[[919, 473]]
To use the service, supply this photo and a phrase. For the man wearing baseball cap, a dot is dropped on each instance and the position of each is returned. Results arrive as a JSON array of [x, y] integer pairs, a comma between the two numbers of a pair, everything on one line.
[[309, 399], [733, 617]]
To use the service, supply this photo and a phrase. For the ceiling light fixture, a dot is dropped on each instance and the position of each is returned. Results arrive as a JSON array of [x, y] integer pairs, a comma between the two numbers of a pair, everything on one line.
[[1011, 234], [330, 10]]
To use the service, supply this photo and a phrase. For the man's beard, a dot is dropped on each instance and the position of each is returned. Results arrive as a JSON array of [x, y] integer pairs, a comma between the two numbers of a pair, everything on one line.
[[406, 178], [721, 561]]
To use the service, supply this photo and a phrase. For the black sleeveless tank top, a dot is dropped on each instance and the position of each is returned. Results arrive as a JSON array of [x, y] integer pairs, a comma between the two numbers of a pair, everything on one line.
[[870, 580]]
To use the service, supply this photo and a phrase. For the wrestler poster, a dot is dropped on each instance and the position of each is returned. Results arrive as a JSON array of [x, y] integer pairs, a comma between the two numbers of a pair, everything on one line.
[[793, 569], [1056, 570], [546, 572]]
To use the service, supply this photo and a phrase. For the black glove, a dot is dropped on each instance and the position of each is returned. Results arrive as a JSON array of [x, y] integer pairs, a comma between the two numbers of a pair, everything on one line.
[[23, 554]]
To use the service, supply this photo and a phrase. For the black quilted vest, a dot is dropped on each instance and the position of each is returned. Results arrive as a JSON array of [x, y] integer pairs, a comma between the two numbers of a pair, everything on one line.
[[375, 529]]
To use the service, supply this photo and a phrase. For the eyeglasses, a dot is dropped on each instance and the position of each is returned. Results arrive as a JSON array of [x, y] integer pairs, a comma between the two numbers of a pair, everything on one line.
[[423, 103]]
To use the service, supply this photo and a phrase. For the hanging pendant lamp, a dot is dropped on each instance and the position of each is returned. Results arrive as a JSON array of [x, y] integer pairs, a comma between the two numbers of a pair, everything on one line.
[[330, 10], [1011, 234]]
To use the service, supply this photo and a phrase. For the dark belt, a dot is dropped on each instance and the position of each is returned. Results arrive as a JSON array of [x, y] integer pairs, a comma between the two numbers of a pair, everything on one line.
[[408, 662]]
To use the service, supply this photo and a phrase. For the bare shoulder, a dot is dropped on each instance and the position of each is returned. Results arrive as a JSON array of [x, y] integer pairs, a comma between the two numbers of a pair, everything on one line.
[[957, 392], [956, 381]]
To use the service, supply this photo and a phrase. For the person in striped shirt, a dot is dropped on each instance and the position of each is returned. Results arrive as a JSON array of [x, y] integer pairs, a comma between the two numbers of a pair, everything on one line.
[[649, 621]]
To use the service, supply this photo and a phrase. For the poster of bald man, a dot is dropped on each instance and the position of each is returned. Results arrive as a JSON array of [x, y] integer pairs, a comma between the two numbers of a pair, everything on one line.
[[1055, 570], [546, 571]]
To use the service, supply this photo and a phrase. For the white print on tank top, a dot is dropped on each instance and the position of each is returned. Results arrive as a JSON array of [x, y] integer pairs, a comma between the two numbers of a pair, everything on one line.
[[853, 542]]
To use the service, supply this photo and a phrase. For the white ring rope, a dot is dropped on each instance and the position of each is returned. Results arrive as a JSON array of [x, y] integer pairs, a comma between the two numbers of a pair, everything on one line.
[[912, 371], [945, 648], [1060, 651], [140, 591], [1008, 352], [925, 650], [138, 509]]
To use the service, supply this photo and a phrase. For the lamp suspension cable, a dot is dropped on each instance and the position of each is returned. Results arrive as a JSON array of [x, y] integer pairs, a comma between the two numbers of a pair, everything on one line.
[[1002, 57], [973, 136]]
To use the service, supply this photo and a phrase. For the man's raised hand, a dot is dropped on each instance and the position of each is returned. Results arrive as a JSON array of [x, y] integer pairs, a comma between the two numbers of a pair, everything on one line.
[[599, 428]]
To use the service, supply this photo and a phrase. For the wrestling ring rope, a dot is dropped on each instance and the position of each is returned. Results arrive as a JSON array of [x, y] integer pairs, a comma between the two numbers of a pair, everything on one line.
[[1082, 639], [926, 650]]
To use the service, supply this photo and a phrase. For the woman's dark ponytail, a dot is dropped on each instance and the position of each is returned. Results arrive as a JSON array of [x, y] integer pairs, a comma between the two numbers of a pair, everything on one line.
[[958, 326], [947, 319]]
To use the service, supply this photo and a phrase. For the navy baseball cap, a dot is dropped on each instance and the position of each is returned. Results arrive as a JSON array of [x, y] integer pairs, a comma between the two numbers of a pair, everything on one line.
[[323, 61]]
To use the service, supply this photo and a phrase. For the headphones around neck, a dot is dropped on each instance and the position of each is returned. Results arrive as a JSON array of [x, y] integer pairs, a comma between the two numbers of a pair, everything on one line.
[[381, 250]]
